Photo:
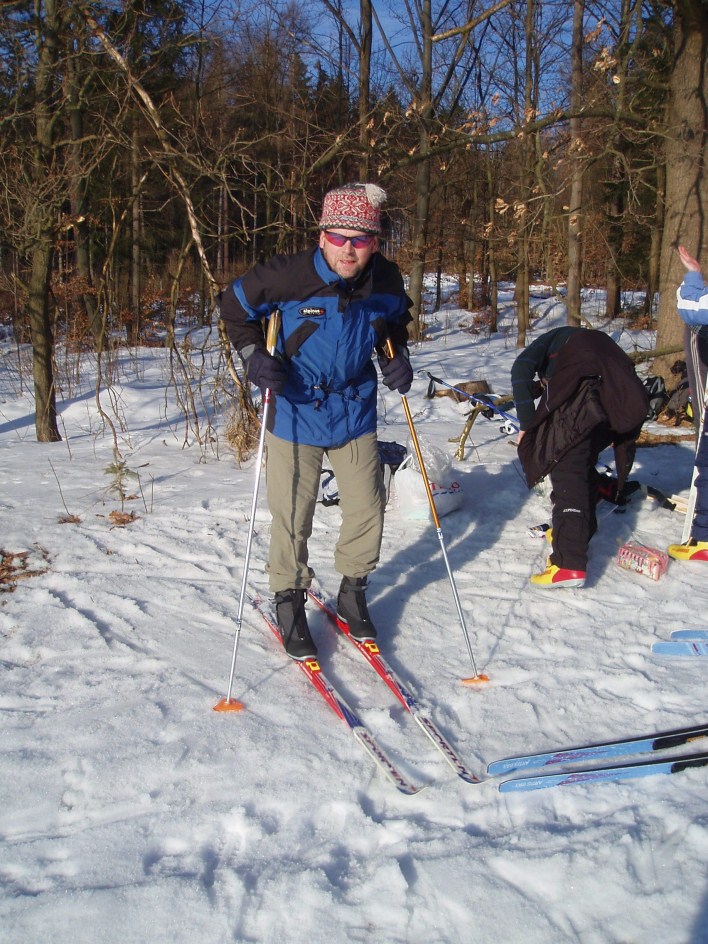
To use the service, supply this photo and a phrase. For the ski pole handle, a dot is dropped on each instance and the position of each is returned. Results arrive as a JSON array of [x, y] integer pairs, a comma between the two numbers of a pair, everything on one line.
[[273, 331]]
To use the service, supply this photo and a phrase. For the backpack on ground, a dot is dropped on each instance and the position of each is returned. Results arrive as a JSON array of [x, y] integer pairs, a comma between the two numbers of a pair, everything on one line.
[[656, 391], [678, 407]]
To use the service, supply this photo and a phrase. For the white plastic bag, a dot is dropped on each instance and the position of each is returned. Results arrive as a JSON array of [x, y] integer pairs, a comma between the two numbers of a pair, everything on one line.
[[409, 488]]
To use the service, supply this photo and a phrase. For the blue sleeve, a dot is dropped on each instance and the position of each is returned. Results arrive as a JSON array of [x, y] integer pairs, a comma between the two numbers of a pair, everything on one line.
[[692, 299], [253, 312]]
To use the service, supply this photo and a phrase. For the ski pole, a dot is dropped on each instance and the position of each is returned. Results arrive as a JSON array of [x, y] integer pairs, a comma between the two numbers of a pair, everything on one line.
[[229, 703], [436, 519], [511, 420]]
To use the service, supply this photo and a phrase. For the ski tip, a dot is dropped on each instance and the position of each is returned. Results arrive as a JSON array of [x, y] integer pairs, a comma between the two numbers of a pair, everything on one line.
[[478, 679], [228, 704]]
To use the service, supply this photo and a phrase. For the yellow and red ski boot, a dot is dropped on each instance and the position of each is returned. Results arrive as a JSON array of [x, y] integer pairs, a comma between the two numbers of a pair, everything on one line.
[[554, 578], [692, 550]]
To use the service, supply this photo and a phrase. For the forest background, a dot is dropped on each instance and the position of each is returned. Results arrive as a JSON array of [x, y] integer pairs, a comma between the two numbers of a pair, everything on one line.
[[152, 151]]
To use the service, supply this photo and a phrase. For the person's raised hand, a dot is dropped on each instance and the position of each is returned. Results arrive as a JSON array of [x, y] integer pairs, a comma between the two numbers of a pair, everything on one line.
[[693, 265]]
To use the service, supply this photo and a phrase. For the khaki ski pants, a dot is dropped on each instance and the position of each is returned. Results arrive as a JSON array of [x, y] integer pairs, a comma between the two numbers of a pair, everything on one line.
[[293, 478]]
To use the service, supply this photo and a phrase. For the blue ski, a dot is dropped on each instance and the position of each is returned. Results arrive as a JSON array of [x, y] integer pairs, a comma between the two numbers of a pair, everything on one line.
[[584, 753], [484, 401], [644, 768], [690, 634], [684, 648]]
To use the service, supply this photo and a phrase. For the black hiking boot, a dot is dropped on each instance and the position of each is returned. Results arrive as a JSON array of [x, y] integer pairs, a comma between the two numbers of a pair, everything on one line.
[[292, 623], [352, 610]]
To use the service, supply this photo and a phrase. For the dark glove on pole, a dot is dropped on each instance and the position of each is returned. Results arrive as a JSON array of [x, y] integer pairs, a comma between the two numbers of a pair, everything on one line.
[[397, 372], [266, 371]]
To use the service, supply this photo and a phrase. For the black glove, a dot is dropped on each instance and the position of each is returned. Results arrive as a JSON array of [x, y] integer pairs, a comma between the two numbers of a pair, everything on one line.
[[266, 371], [607, 490], [397, 372]]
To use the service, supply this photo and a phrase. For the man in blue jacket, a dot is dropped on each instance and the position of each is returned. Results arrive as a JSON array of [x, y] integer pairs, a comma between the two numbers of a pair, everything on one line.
[[692, 300], [339, 303]]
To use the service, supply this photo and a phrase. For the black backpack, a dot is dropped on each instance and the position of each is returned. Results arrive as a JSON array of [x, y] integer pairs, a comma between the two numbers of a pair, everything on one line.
[[656, 391]]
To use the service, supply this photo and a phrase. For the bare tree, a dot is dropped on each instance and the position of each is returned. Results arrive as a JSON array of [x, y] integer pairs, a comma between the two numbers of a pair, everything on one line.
[[686, 167], [524, 203], [432, 83], [42, 217], [77, 78], [575, 203]]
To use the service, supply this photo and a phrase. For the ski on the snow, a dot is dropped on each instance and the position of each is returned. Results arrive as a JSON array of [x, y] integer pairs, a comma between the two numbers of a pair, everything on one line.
[[615, 772], [371, 652], [690, 634], [311, 668], [585, 753], [681, 648], [487, 402], [581, 757]]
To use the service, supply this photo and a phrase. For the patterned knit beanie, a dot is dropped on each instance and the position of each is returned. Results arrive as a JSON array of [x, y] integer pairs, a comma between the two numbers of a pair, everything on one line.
[[353, 206]]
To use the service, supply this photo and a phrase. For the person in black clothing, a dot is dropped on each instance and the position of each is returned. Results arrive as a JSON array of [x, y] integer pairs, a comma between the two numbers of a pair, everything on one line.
[[589, 397]]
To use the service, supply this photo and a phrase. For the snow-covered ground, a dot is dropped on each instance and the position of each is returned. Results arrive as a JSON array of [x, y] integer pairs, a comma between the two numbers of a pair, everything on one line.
[[131, 812]]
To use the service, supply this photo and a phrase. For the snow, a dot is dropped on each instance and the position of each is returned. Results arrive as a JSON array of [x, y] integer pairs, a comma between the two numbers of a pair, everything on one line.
[[130, 811]]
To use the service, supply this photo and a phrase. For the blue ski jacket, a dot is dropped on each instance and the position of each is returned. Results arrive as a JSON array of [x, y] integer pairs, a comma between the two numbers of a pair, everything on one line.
[[330, 330], [692, 300]]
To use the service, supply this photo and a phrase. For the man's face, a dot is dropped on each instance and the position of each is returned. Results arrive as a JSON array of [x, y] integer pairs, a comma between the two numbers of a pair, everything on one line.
[[347, 261]]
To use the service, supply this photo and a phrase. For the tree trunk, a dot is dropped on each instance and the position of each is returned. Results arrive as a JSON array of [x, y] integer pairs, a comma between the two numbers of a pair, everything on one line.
[[521, 291], [657, 227], [364, 83], [491, 251], [79, 198], [222, 265], [422, 180], [42, 338], [615, 234], [618, 184], [41, 226], [420, 234], [575, 203], [133, 326], [686, 168], [463, 295]]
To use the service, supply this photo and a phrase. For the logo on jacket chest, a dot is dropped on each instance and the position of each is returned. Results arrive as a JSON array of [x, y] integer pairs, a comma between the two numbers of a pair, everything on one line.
[[312, 312]]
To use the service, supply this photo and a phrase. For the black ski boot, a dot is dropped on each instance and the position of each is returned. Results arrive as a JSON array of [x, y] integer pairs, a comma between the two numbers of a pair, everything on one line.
[[352, 610], [292, 623]]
